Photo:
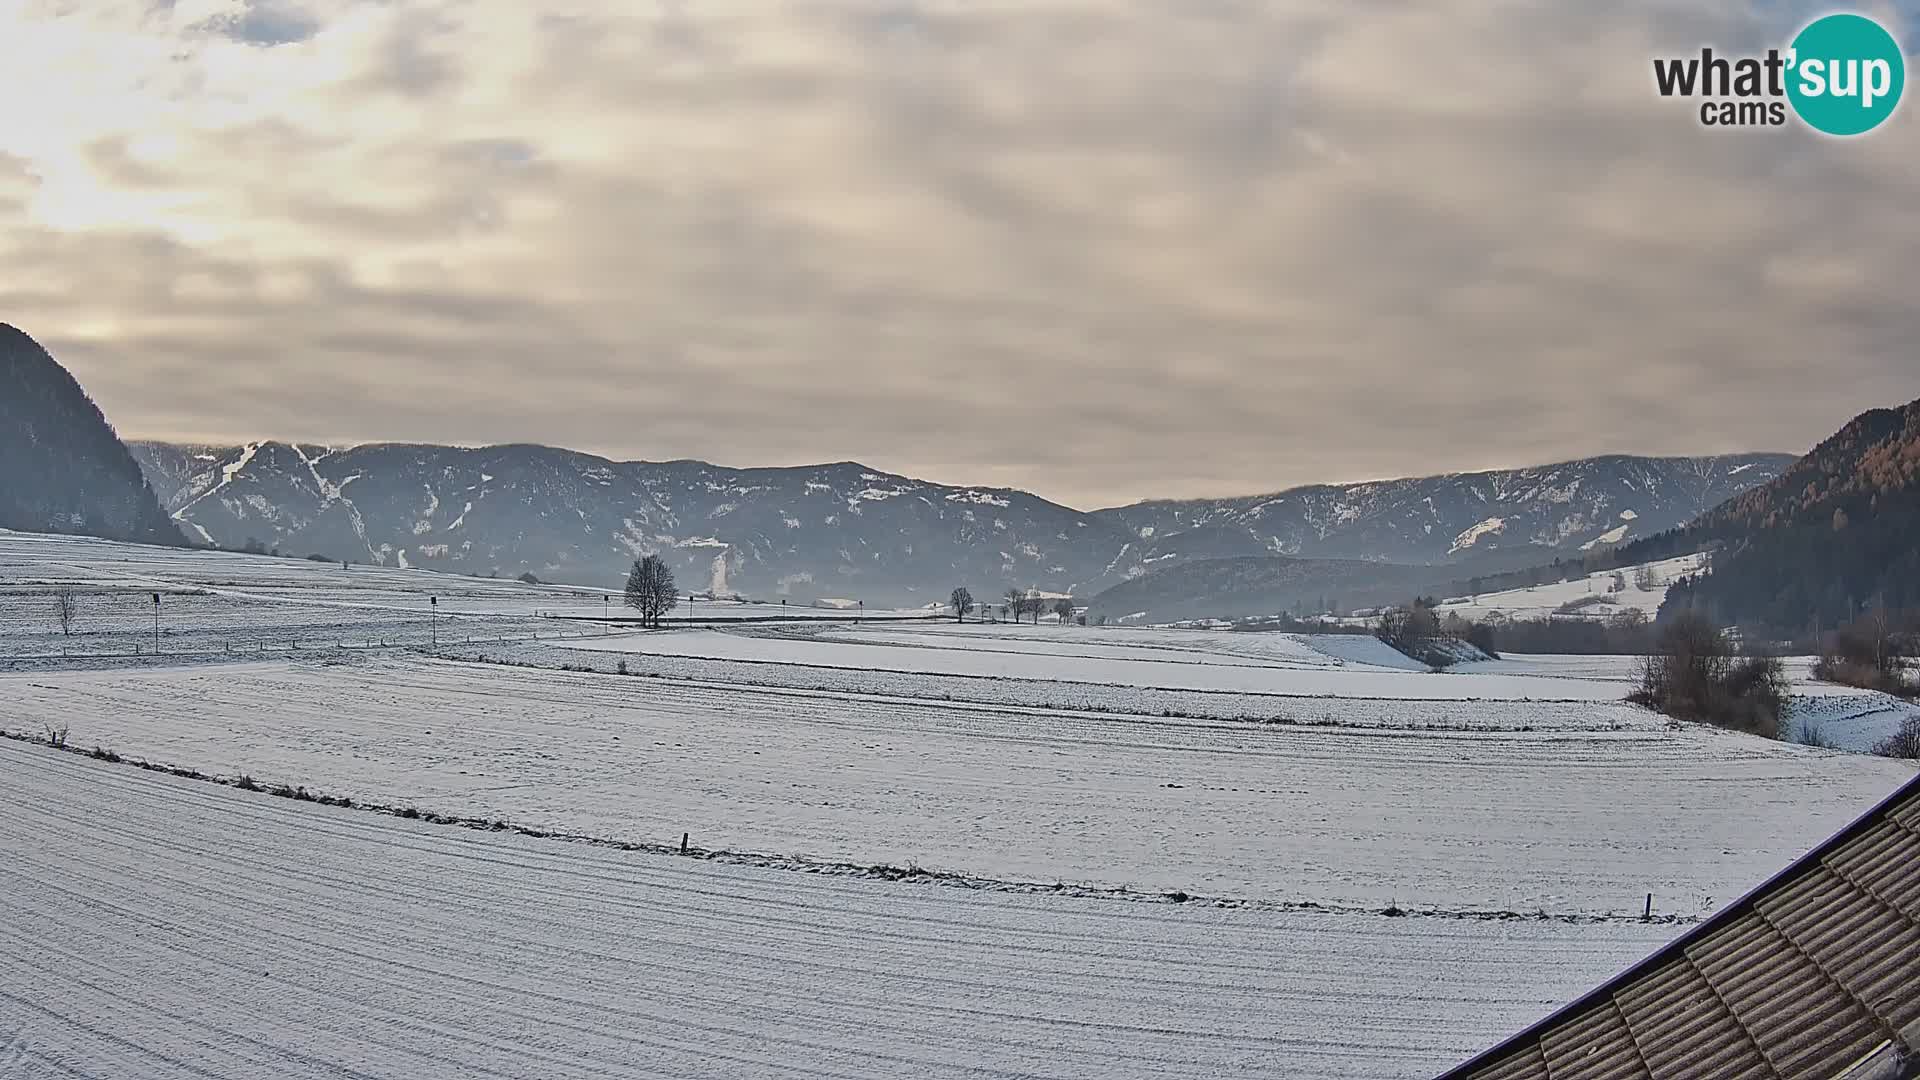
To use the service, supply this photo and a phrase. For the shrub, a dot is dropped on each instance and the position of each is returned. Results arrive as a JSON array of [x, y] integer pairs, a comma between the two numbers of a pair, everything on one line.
[[529, 579], [1812, 735], [57, 736], [622, 668], [1904, 743]]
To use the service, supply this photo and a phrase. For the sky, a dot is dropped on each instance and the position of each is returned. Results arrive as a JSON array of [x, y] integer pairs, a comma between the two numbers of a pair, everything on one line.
[[1098, 251]]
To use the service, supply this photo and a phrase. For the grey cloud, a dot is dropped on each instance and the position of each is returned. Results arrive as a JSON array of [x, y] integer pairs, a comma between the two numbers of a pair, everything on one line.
[[1175, 249]]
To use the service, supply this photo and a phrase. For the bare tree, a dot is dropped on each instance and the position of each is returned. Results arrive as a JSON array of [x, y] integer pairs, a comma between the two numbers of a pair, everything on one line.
[[1880, 626], [962, 603], [650, 589], [67, 606], [1016, 603], [1063, 607]]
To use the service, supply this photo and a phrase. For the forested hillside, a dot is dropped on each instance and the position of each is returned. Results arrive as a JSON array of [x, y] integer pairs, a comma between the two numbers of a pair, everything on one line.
[[62, 468], [1836, 534]]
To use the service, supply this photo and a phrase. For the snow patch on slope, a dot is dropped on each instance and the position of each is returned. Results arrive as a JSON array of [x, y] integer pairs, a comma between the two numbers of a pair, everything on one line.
[[979, 498], [1472, 534], [1611, 536]]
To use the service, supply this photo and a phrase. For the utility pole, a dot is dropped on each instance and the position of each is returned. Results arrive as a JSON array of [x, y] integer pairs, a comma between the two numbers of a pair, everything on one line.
[[156, 624], [606, 614], [433, 620]]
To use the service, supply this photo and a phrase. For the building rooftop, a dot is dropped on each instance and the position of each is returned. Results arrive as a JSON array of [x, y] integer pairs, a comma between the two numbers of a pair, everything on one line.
[[1815, 974]]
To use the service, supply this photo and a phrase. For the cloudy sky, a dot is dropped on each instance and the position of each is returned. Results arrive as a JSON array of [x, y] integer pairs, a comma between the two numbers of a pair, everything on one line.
[[1100, 250]]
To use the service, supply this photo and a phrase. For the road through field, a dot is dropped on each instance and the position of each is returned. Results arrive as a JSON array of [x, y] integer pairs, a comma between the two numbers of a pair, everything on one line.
[[158, 927]]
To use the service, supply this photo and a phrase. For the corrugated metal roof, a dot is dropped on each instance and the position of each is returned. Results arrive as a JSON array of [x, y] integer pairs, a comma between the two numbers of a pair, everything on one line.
[[1815, 975]]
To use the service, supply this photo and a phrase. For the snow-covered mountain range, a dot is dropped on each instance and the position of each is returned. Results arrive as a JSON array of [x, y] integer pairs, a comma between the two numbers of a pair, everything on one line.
[[1569, 506], [845, 530], [839, 530]]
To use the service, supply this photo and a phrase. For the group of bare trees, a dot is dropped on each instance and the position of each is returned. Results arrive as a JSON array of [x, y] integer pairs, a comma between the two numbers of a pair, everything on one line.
[[1694, 673], [1018, 604], [1875, 652], [1418, 630]]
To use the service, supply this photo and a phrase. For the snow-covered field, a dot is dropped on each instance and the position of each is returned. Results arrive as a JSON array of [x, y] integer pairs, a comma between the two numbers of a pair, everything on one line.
[[220, 602], [156, 926], [1297, 709], [1821, 713], [1569, 821], [159, 927], [1170, 659]]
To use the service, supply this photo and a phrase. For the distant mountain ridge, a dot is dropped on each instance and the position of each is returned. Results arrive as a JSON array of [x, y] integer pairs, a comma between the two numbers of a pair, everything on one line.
[[1567, 506], [846, 530], [62, 468], [837, 530]]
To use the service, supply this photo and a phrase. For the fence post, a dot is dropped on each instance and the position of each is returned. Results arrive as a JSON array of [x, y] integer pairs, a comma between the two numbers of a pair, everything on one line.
[[1648, 917], [683, 843]]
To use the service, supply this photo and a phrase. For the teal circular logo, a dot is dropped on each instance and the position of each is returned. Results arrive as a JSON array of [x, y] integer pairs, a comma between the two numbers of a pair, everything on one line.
[[1846, 74]]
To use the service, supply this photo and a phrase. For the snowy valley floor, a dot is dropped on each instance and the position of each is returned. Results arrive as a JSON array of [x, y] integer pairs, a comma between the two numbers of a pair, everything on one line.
[[1569, 821], [160, 927], [1194, 792]]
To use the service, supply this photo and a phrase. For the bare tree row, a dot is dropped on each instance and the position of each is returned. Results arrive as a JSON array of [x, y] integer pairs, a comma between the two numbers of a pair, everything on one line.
[[1018, 605]]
